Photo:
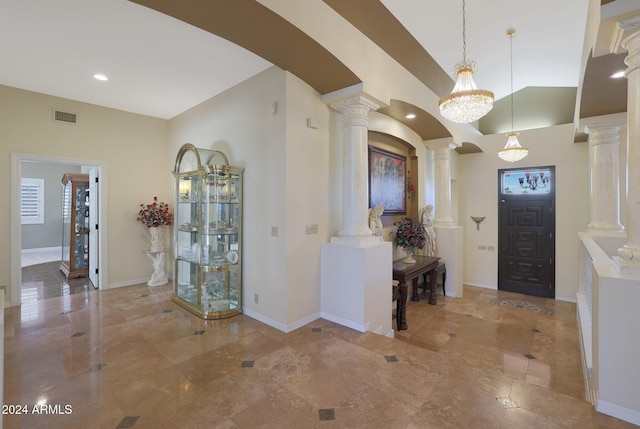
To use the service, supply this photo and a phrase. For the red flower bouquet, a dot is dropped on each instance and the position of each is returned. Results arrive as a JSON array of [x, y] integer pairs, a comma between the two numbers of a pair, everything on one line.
[[155, 214]]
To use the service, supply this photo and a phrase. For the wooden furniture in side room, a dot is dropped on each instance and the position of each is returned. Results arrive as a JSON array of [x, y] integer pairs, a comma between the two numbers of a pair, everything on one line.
[[75, 225]]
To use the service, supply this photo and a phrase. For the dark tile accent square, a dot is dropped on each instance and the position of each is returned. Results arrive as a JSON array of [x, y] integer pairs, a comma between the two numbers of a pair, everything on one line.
[[536, 330], [198, 333], [469, 315], [78, 334], [127, 422], [452, 334], [144, 295], [247, 364], [391, 358], [530, 356], [327, 414], [97, 367], [167, 311], [316, 329]]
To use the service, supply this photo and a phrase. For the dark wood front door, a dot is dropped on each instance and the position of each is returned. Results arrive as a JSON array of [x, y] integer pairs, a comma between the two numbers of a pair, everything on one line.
[[526, 241]]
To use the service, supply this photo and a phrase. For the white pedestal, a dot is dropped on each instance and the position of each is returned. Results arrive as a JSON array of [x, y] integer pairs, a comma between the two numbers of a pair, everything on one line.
[[356, 286], [159, 276]]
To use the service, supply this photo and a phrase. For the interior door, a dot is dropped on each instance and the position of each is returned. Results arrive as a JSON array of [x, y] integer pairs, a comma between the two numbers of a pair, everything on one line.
[[94, 189], [526, 220]]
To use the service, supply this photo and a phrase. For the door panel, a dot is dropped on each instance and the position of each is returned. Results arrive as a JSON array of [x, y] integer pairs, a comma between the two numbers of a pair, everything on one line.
[[526, 242], [94, 175]]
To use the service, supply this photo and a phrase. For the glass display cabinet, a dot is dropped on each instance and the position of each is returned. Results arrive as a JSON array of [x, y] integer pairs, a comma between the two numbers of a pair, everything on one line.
[[207, 233], [75, 225]]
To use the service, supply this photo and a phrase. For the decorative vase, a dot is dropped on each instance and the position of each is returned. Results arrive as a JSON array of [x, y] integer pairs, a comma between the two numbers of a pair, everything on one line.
[[409, 259], [157, 238]]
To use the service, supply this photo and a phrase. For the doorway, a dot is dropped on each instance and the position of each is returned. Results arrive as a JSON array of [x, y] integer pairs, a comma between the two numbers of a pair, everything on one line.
[[526, 231], [17, 160]]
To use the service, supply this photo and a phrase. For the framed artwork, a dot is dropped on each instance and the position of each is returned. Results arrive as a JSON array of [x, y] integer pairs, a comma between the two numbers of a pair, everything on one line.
[[387, 177]]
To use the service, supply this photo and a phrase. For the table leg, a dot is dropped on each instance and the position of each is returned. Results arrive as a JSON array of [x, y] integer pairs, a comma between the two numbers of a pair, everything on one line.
[[414, 290], [402, 312], [433, 275]]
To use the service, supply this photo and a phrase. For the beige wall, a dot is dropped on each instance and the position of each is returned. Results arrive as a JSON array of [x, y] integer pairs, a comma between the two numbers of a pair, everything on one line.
[[479, 197], [240, 122], [133, 148]]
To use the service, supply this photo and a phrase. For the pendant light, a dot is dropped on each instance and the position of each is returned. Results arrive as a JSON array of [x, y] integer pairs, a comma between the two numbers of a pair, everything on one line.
[[512, 152], [466, 103]]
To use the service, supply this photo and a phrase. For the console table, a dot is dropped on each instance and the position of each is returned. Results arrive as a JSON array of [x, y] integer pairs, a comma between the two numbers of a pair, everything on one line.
[[404, 273]]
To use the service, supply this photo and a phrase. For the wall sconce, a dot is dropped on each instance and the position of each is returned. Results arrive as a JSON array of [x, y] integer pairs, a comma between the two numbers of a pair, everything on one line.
[[478, 220]]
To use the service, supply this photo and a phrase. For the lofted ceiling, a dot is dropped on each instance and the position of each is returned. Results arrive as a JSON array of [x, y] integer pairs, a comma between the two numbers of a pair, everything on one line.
[[164, 57]]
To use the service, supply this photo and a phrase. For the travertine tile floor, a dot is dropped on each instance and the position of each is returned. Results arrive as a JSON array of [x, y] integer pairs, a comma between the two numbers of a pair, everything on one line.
[[45, 280], [130, 358]]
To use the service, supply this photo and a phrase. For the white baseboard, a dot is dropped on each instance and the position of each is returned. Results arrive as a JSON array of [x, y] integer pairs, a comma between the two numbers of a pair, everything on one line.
[[561, 298], [622, 413], [493, 287], [264, 319], [280, 326], [481, 285], [302, 322], [344, 322], [126, 283], [43, 249]]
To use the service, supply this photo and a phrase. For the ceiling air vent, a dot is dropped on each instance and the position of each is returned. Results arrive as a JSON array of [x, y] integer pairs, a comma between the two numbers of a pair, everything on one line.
[[66, 117]]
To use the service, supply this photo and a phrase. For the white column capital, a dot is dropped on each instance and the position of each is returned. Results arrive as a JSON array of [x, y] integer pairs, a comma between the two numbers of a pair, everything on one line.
[[624, 28], [356, 104], [632, 44], [607, 133], [441, 145]]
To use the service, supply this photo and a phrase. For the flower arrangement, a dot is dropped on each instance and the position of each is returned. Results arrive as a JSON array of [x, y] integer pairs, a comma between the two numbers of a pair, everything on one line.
[[155, 214], [410, 235]]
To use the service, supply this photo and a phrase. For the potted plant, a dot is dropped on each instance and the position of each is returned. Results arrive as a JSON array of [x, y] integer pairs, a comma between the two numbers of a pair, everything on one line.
[[410, 235]]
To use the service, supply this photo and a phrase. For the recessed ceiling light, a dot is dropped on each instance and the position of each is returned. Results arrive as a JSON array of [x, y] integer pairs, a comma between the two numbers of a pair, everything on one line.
[[101, 77], [410, 116], [617, 75]]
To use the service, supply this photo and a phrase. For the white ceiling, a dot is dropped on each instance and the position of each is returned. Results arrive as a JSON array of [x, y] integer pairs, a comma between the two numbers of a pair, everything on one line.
[[156, 65], [547, 47], [160, 66]]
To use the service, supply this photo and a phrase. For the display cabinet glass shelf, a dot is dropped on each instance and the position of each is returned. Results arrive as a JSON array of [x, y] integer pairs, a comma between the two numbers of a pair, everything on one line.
[[207, 233], [75, 225]]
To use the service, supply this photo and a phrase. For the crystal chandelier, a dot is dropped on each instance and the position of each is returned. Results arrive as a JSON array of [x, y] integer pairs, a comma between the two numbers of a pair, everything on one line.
[[466, 103], [512, 152]]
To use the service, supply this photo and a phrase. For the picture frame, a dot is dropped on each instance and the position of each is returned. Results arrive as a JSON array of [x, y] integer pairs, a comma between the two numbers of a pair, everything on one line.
[[387, 177]]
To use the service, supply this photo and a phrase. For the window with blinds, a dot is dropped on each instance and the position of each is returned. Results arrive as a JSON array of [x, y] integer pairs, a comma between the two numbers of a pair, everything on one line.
[[32, 201]]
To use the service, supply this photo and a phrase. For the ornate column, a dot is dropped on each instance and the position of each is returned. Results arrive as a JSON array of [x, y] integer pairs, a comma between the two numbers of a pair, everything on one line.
[[604, 165], [630, 253], [356, 268], [442, 180], [355, 225]]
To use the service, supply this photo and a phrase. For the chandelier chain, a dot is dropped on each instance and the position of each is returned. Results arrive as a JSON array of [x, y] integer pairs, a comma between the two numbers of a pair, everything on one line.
[[511, 34], [464, 34]]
